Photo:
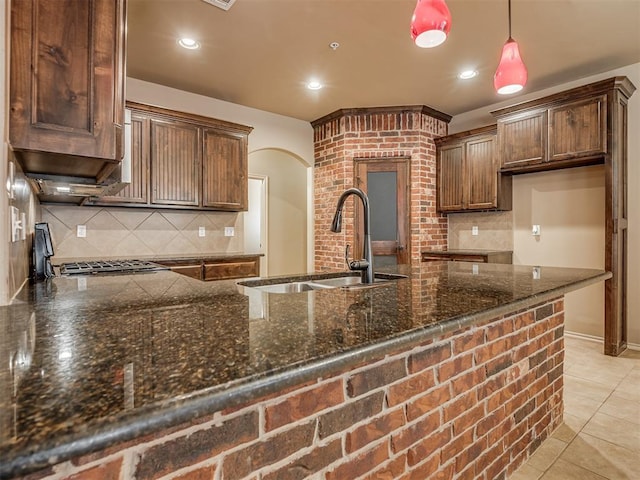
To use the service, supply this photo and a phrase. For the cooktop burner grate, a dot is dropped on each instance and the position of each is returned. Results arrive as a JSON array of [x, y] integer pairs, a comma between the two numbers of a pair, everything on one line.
[[110, 266]]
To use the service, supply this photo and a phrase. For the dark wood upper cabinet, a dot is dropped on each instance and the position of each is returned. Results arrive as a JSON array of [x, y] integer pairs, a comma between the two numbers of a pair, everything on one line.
[[578, 129], [522, 140], [467, 173], [568, 129], [181, 160], [176, 157], [67, 73], [450, 177], [224, 170]]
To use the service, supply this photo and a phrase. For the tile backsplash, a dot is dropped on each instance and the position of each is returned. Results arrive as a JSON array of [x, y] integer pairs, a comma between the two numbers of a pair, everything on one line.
[[495, 230], [126, 232]]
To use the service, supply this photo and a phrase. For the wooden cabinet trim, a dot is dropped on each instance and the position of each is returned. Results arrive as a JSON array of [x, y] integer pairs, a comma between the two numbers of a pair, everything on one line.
[[202, 121]]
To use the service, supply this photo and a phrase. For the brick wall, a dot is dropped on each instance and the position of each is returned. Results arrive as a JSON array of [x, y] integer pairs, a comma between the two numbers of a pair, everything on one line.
[[347, 135], [471, 404]]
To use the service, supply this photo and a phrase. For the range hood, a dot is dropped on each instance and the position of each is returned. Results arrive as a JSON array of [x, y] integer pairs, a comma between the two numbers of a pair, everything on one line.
[[52, 188]]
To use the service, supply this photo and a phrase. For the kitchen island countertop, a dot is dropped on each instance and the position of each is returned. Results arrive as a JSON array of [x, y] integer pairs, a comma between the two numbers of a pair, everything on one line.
[[96, 361]]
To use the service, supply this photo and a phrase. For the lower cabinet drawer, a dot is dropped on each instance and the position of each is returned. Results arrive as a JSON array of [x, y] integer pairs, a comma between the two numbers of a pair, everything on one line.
[[236, 269]]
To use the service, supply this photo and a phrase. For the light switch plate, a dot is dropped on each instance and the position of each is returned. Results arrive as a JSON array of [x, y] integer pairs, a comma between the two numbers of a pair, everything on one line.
[[229, 231], [535, 230], [201, 231], [474, 230], [81, 231]]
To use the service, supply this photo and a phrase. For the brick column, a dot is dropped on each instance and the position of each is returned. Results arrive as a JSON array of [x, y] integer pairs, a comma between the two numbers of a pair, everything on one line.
[[383, 132]]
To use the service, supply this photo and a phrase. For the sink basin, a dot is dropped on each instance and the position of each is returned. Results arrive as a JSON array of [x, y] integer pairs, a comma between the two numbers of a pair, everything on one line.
[[306, 283], [289, 287]]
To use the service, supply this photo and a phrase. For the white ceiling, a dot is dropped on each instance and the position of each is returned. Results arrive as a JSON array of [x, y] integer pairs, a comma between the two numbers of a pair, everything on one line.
[[261, 53]]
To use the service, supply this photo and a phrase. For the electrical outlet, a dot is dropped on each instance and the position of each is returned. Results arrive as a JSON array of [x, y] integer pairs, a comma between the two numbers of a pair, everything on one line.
[[229, 231], [535, 230], [474, 230], [201, 232], [474, 269], [81, 231]]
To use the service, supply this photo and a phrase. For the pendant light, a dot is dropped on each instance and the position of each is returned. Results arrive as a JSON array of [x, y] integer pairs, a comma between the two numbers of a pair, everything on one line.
[[511, 75], [430, 23]]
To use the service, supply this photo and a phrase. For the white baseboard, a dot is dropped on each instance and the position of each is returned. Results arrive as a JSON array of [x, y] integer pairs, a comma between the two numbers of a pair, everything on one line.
[[593, 338]]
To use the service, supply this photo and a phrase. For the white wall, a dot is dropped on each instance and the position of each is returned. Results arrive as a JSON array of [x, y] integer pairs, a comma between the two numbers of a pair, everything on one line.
[[561, 245], [569, 207], [287, 210]]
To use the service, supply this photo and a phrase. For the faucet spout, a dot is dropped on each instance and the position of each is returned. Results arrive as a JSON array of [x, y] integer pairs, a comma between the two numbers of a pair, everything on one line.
[[365, 266]]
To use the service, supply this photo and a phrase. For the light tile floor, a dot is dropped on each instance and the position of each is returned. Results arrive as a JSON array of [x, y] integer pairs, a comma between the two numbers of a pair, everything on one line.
[[600, 437]]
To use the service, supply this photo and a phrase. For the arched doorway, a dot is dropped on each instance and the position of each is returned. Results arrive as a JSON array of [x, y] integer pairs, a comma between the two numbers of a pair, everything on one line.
[[287, 210]]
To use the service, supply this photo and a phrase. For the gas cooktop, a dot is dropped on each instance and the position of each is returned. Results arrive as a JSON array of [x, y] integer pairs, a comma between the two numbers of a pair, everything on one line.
[[109, 266]]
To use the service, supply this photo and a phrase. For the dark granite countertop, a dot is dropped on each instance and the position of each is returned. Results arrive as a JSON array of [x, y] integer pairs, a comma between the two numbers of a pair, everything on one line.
[[88, 362], [159, 258], [463, 251]]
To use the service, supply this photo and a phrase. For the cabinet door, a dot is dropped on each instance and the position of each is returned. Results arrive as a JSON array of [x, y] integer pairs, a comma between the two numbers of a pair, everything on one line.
[[450, 178], [175, 162], [578, 129], [523, 139], [137, 192], [224, 182], [67, 83], [481, 171]]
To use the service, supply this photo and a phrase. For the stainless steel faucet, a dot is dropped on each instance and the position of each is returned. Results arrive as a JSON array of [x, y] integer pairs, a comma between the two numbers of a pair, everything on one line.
[[365, 265]]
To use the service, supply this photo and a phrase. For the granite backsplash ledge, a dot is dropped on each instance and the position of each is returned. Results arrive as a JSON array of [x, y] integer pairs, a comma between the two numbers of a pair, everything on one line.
[[127, 232]]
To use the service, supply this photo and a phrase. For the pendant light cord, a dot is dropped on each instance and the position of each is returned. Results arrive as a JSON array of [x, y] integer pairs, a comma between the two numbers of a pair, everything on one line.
[[510, 20]]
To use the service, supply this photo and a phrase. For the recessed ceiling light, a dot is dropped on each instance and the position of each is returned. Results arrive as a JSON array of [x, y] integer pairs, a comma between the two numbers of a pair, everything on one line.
[[314, 85], [188, 43], [467, 74]]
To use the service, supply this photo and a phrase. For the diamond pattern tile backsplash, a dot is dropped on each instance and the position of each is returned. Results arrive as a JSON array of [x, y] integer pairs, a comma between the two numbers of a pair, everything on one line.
[[127, 233]]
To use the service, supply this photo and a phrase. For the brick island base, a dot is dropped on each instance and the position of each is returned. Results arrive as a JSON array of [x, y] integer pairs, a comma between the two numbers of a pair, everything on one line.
[[469, 404]]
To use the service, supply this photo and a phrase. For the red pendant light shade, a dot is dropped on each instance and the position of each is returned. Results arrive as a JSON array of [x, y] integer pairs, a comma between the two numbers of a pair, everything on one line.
[[511, 75], [430, 23]]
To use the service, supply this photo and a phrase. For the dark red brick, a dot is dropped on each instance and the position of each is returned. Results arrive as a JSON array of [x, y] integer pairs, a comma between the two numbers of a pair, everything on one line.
[[304, 404], [469, 418], [376, 377], [544, 312], [457, 445], [391, 471], [416, 432], [468, 381], [459, 405], [180, 452], [455, 366], [307, 465], [428, 402], [430, 357], [361, 464], [468, 341], [412, 386], [346, 416], [242, 462], [203, 473], [428, 446], [498, 364], [107, 471], [374, 430]]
